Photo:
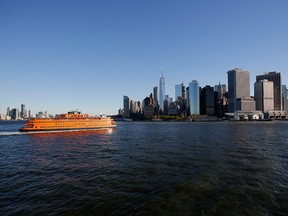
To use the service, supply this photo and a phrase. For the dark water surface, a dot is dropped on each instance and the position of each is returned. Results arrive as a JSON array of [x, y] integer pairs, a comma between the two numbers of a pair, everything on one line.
[[228, 168]]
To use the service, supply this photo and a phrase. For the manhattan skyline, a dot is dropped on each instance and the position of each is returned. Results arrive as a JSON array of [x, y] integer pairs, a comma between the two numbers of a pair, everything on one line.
[[86, 55]]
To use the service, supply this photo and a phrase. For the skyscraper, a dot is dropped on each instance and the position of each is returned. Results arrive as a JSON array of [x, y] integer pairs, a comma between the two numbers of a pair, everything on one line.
[[207, 101], [9, 109], [155, 95], [194, 97], [238, 88], [276, 78], [285, 98], [179, 91], [161, 92], [23, 111], [220, 89], [126, 106], [264, 95]]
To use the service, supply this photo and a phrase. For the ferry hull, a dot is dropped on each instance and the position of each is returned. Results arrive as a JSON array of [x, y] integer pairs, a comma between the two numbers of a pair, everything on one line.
[[68, 122], [65, 129]]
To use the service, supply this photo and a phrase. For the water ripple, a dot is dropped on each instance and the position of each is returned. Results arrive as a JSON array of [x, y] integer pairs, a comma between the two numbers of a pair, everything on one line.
[[147, 169]]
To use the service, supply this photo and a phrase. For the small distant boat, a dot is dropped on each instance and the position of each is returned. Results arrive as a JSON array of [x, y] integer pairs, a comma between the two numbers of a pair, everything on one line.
[[74, 120]]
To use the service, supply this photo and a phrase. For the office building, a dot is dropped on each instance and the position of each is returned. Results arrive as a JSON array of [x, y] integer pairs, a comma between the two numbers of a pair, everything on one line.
[[9, 109], [238, 87], [126, 106], [276, 78], [15, 114], [23, 111], [285, 98], [194, 98], [221, 90], [264, 95], [207, 101], [187, 101], [221, 99], [155, 95], [161, 92], [179, 91]]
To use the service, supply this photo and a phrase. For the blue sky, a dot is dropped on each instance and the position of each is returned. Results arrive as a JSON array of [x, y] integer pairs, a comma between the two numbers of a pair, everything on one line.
[[63, 55]]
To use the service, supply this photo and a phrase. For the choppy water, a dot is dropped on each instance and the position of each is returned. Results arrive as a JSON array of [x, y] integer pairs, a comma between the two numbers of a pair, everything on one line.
[[228, 168]]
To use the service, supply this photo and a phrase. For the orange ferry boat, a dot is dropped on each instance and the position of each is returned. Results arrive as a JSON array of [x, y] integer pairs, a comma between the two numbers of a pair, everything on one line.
[[74, 120]]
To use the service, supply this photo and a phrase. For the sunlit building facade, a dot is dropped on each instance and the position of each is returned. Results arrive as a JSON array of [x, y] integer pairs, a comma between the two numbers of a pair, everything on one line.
[[276, 78], [264, 95], [194, 98], [238, 88]]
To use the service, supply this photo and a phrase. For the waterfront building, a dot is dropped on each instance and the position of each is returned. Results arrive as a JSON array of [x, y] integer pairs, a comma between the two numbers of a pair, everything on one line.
[[221, 99], [139, 105], [23, 111], [126, 106], [133, 106], [179, 91], [264, 95], [285, 98], [121, 112], [207, 101], [187, 101], [9, 109], [276, 78], [15, 114], [238, 88], [245, 104], [148, 107], [194, 98], [220, 89], [161, 92], [166, 107], [155, 95], [174, 109]]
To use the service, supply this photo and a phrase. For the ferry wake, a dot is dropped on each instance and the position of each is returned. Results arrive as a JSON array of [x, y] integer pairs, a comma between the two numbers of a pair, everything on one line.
[[74, 120]]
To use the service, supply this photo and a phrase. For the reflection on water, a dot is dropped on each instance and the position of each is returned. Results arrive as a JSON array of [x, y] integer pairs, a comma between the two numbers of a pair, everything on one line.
[[148, 169]]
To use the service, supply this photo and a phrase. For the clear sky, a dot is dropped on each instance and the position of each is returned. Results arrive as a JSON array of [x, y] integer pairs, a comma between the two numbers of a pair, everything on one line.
[[64, 55]]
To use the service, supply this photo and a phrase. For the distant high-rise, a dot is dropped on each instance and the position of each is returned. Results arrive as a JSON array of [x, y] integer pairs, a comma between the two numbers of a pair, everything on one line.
[[187, 100], [264, 95], [23, 111], [207, 101], [276, 78], [161, 92], [238, 88], [285, 98], [194, 98], [155, 95], [220, 89], [126, 106], [9, 111], [179, 91], [15, 114]]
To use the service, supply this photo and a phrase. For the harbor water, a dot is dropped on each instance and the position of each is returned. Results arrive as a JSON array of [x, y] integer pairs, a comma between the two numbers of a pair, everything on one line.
[[146, 168]]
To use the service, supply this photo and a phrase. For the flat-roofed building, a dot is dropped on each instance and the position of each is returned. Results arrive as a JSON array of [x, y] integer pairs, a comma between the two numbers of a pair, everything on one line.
[[264, 95], [238, 87], [276, 78]]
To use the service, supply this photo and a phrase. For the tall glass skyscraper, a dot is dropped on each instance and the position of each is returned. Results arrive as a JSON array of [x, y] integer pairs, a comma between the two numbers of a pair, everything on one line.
[[194, 97], [161, 92], [179, 91]]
